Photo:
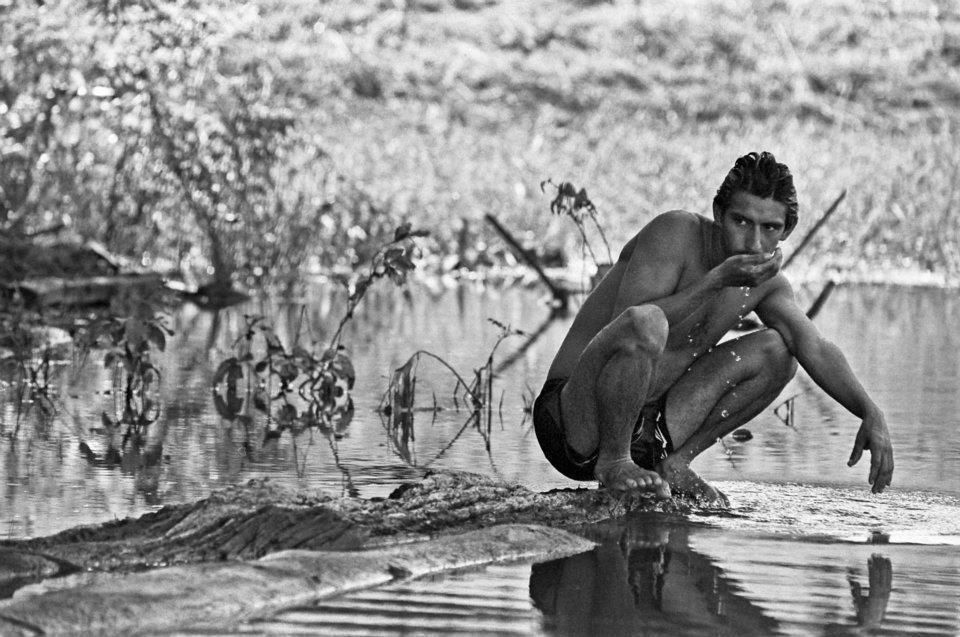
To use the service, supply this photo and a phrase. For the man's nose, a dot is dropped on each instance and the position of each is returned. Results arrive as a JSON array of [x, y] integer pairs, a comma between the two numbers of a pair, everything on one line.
[[753, 241]]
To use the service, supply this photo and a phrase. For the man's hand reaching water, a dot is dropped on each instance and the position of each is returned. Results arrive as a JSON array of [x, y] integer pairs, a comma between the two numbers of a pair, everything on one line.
[[873, 435]]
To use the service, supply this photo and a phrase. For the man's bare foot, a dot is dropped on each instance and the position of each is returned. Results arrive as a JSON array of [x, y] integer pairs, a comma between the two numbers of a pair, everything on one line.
[[682, 479], [624, 475]]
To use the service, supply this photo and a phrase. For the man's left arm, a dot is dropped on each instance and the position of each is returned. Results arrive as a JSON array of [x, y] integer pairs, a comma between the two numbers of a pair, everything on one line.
[[828, 367]]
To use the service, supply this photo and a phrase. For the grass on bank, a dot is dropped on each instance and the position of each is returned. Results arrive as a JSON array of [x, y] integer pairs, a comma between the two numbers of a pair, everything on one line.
[[252, 141], [449, 110]]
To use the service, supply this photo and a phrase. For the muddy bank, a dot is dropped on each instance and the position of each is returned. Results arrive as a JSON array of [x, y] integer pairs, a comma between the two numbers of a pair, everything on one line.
[[252, 520]]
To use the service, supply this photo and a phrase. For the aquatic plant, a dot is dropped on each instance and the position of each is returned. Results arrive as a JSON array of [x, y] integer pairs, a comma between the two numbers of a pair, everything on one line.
[[301, 388], [398, 401], [576, 205], [131, 331], [21, 333], [281, 381]]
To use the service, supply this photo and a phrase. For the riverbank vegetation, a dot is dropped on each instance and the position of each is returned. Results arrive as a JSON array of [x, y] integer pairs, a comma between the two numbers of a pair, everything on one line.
[[253, 143]]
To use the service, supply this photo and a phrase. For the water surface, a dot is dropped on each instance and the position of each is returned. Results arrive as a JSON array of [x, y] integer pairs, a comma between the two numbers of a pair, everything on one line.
[[801, 517]]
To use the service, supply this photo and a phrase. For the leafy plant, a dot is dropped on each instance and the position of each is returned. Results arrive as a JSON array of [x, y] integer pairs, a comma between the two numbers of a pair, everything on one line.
[[130, 334], [577, 205], [296, 387], [393, 260], [302, 388]]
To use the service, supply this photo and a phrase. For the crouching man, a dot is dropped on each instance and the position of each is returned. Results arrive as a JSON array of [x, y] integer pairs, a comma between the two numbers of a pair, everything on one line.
[[640, 385]]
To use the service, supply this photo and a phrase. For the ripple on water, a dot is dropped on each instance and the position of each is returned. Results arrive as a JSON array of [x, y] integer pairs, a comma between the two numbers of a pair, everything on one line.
[[819, 588]]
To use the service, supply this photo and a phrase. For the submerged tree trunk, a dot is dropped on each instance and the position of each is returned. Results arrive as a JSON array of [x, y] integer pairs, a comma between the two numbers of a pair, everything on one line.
[[249, 521]]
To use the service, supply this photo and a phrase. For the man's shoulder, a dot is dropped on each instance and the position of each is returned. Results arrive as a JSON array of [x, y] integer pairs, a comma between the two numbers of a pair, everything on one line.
[[671, 233], [676, 224], [678, 218]]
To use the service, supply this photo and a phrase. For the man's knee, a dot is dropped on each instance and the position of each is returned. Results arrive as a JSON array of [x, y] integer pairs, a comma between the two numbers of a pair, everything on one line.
[[777, 357], [646, 328]]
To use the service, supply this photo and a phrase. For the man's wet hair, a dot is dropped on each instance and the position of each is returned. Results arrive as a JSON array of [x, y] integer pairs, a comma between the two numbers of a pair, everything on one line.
[[759, 174]]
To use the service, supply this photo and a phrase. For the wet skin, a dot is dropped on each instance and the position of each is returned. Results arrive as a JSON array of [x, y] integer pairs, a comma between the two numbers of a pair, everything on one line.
[[651, 328]]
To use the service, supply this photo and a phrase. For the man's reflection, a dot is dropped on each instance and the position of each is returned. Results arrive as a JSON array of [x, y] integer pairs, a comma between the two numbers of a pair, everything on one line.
[[869, 606], [644, 579], [872, 607]]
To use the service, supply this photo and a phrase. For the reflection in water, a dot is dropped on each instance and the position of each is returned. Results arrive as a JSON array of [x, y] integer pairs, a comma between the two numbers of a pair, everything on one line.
[[137, 452], [645, 580], [872, 607], [664, 576], [49, 484]]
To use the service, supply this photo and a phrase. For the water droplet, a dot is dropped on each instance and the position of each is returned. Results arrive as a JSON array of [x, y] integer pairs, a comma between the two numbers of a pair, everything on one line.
[[724, 413], [709, 349], [694, 354], [737, 359], [732, 353]]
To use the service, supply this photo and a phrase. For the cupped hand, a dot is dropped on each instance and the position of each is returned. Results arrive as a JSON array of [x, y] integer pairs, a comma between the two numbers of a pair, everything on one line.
[[873, 435], [748, 270]]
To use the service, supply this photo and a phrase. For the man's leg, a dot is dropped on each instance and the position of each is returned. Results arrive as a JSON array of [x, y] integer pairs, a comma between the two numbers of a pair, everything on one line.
[[726, 388], [603, 396]]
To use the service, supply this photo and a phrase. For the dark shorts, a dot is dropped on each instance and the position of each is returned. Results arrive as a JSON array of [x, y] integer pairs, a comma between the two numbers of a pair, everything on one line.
[[650, 443]]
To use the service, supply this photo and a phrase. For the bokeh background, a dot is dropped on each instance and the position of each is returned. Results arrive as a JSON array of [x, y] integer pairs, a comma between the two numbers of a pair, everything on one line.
[[254, 142]]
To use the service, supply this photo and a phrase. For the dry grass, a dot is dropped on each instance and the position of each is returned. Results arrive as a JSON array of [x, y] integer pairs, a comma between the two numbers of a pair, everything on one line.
[[449, 110]]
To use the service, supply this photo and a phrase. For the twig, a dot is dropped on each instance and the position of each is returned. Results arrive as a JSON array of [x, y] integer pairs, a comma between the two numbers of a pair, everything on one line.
[[821, 299], [558, 293], [822, 220], [531, 339]]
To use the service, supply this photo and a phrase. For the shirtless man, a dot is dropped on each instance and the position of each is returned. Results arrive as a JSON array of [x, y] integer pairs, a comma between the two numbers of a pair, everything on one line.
[[640, 386]]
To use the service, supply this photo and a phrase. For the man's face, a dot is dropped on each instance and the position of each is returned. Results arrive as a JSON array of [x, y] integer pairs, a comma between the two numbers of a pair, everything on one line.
[[752, 225]]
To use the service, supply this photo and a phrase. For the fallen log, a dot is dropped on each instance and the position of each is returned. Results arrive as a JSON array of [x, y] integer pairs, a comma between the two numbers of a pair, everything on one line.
[[252, 520], [48, 291], [249, 550], [222, 595]]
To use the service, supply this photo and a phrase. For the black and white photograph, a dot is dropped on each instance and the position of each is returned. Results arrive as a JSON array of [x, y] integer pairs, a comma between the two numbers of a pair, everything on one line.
[[479, 317]]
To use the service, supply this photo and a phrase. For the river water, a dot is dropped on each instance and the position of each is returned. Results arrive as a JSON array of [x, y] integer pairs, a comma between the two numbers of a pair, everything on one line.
[[805, 549]]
